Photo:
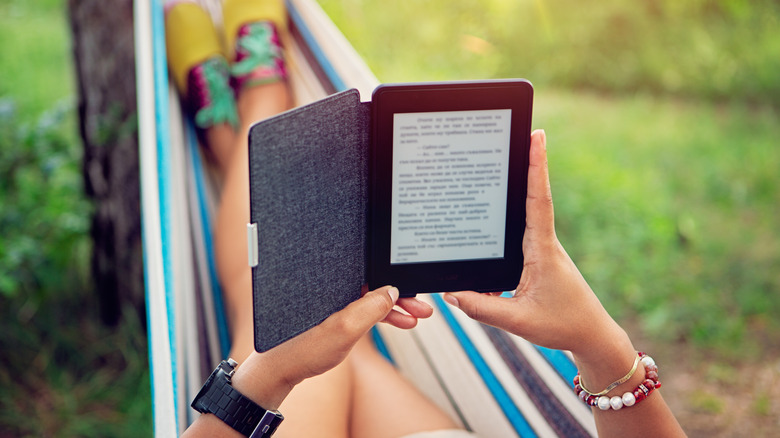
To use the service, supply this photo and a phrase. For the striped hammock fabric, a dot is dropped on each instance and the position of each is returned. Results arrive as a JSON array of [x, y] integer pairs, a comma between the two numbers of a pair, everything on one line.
[[493, 383]]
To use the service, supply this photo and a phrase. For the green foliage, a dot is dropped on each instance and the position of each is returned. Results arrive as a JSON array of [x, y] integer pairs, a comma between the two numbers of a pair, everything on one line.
[[718, 49], [45, 216], [66, 371], [63, 373]]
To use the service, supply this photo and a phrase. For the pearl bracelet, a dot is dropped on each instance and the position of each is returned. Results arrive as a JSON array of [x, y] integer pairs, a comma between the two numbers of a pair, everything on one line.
[[614, 384], [629, 398]]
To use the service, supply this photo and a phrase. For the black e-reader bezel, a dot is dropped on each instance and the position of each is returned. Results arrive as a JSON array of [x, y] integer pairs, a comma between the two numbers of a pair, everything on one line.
[[482, 275]]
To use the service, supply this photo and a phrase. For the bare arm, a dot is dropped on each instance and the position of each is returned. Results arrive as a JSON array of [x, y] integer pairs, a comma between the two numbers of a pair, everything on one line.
[[267, 378], [554, 307]]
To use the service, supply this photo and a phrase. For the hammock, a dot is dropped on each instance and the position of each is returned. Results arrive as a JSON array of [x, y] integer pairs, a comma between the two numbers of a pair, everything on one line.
[[493, 383]]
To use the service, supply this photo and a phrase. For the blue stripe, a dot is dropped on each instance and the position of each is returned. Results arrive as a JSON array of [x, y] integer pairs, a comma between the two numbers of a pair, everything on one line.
[[319, 54], [503, 399], [163, 169], [560, 362], [380, 345], [200, 187]]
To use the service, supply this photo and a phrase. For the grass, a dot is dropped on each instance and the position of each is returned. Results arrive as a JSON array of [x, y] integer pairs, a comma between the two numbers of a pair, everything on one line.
[[35, 73], [668, 208], [662, 135], [714, 49]]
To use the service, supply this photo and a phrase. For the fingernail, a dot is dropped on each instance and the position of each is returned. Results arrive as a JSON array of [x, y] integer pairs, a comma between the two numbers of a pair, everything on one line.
[[544, 138], [452, 300], [424, 303], [393, 292]]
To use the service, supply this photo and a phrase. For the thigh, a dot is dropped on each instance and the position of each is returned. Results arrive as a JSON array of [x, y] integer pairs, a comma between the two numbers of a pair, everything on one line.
[[385, 404]]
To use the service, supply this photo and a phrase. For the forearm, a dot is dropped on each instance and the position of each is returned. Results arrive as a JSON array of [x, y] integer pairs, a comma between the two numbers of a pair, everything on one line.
[[267, 378], [257, 379]]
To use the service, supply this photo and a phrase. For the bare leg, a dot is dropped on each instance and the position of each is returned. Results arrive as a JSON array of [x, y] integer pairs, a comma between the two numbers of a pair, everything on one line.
[[385, 404], [221, 140], [254, 104]]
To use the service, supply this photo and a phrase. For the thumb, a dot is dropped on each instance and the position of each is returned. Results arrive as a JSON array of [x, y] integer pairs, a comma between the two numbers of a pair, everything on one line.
[[493, 310], [539, 206], [358, 317]]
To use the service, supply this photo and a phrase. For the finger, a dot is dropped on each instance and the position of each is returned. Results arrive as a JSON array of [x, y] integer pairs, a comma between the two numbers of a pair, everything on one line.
[[358, 317], [415, 307], [494, 310], [400, 320], [539, 206]]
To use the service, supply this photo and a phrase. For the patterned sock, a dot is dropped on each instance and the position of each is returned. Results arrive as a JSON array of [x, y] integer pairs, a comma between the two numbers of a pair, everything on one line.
[[259, 57], [209, 95]]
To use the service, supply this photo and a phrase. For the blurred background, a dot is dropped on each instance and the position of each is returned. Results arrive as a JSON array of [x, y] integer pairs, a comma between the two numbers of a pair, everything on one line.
[[663, 127]]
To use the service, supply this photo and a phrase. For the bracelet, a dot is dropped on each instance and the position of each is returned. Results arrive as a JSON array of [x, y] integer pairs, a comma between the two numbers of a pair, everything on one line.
[[614, 384], [629, 398]]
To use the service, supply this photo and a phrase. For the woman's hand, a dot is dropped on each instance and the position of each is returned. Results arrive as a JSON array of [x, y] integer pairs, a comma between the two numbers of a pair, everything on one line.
[[413, 309], [326, 345], [266, 378], [553, 306]]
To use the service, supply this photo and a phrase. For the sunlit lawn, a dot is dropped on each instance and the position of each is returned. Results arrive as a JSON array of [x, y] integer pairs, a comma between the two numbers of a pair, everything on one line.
[[666, 189]]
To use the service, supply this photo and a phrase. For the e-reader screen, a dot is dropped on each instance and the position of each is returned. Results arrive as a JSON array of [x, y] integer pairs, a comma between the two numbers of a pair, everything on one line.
[[449, 185]]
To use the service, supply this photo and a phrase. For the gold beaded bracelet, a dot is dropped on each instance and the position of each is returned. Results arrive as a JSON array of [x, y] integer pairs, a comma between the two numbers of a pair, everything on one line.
[[614, 384]]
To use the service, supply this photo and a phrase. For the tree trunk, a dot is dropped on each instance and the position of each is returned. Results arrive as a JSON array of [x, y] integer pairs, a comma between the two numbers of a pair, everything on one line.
[[105, 70]]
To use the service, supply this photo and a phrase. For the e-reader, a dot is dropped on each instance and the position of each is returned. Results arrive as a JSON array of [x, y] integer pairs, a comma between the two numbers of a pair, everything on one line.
[[447, 185]]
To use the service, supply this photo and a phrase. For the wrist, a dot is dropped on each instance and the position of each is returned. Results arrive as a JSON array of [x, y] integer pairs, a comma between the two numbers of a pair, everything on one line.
[[262, 380], [606, 359]]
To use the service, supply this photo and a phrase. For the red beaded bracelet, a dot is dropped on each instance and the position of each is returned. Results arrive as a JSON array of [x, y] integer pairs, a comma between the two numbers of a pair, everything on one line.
[[629, 398]]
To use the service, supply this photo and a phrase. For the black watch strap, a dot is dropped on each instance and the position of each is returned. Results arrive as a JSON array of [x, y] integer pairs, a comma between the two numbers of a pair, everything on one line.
[[218, 397]]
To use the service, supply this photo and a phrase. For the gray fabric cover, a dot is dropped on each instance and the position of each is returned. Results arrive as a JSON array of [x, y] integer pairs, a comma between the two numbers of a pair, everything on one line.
[[308, 177]]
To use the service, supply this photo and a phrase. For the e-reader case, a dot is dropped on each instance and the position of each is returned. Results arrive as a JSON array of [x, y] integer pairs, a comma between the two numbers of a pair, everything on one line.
[[308, 180], [308, 231]]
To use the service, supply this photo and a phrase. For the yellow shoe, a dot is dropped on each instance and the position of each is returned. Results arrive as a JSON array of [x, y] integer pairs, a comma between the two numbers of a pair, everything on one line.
[[252, 29], [236, 13], [198, 66]]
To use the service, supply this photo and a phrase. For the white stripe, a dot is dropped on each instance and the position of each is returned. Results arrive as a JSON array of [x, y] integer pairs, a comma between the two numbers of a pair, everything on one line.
[[463, 382], [305, 85], [411, 362], [201, 260], [188, 349], [159, 342], [504, 374], [350, 65]]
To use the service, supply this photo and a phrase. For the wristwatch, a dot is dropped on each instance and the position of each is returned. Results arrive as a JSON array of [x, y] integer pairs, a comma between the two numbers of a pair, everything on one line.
[[218, 397]]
